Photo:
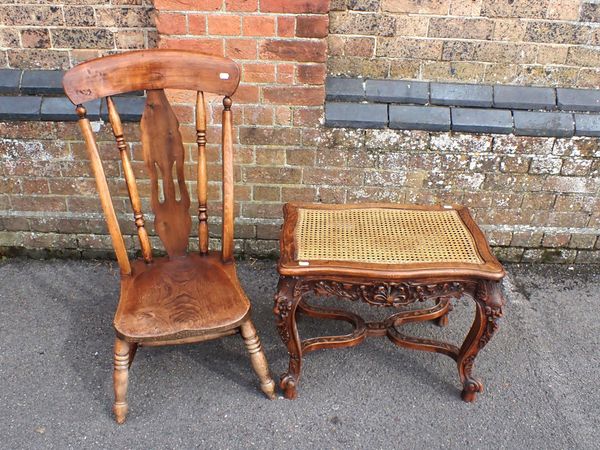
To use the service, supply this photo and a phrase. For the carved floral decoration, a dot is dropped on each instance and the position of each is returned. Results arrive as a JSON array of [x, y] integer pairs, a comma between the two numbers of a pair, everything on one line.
[[388, 294]]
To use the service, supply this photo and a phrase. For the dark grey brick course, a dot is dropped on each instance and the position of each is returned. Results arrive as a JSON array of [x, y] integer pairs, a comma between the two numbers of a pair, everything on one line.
[[344, 89], [20, 108], [524, 97], [429, 118], [61, 109], [472, 95], [578, 99], [587, 124], [130, 108], [356, 115], [532, 123], [476, 120], [396, 91], [9, 81], [347, 109], [42, 82]]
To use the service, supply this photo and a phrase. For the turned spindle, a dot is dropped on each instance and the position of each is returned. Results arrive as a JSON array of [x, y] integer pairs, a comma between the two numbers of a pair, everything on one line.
[[134, 196], [228, 201], [202, 177]]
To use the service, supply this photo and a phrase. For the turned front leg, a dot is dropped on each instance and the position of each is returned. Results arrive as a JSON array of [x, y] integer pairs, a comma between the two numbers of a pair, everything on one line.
[[120, 379], [488, 311], [286, 301], [258, 358]]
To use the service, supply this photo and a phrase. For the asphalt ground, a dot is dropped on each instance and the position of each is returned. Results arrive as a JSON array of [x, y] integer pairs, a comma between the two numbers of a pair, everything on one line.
[[541, 373]]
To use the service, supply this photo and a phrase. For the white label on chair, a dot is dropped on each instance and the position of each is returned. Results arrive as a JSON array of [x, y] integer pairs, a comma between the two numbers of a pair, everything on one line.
[[448, 207], [303, 263], [224, 76]]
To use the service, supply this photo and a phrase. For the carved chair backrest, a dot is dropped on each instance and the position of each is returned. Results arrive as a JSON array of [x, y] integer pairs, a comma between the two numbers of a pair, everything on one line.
[[162, 146]]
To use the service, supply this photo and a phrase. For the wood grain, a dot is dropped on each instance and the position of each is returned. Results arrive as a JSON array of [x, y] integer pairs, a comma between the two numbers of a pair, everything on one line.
[[149, 70], [105, 198], [228, 199], [258, 359], [202, 175], [180, 297], [162, 146], [121, 379]]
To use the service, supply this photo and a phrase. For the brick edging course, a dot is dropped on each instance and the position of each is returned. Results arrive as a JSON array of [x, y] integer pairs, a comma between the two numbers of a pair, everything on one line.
[[522, 110], [38, 95]]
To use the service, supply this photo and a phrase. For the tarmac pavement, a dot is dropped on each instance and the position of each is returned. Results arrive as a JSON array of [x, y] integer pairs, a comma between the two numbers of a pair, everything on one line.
[[540, 371]]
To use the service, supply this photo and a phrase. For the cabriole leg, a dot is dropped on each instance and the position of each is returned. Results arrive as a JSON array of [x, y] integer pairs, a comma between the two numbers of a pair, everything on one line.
[[120, 378], [286, 301], [257, 358], [488, 310]]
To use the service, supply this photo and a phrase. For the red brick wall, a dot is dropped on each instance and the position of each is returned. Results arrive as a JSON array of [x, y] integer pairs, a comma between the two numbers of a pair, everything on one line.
[[281, 47], [537, 198]]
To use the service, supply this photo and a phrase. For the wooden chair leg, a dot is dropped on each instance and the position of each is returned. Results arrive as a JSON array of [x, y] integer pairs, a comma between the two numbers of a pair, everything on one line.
[[120, 379], [488, 311], [258, 358], [286, 301]]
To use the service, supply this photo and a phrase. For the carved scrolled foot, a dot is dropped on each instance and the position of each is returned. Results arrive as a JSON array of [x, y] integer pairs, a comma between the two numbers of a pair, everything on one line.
[[258, 358], [470, 389], [289, 294], [288, 386], [488, 311], [120, 379]]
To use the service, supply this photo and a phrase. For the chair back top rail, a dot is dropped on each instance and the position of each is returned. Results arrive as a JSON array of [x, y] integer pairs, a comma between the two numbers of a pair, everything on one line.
[[162, 143], [149, 70]]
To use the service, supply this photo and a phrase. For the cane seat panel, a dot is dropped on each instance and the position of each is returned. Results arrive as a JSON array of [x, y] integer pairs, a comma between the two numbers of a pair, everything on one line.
[[375, 239], [384, 236]]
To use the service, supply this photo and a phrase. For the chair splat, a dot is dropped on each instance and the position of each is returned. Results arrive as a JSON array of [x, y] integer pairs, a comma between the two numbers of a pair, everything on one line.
[[163, 150]]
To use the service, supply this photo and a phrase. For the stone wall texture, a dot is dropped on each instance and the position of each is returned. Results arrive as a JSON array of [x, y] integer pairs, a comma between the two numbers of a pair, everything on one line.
[[524, 42], [538, 199], [57, 34]]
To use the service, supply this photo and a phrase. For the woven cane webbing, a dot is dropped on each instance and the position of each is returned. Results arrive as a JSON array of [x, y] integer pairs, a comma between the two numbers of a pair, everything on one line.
[[384, 236]]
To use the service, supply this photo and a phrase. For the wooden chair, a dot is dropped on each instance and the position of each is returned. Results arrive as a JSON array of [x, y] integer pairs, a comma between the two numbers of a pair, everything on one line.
[[388, 256], [183, 297]]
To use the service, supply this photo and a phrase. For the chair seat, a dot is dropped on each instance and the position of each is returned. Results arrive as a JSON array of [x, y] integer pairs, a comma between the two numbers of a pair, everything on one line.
[[384, 240], [179, 298]]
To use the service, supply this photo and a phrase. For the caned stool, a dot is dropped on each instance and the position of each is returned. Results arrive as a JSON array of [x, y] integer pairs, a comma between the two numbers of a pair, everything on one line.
[[386, 255]]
